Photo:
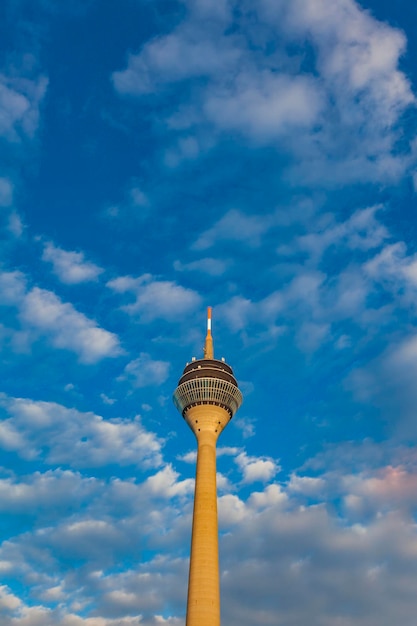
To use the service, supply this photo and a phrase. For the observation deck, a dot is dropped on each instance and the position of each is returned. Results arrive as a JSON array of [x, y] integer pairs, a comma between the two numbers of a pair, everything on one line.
[[208, 381]]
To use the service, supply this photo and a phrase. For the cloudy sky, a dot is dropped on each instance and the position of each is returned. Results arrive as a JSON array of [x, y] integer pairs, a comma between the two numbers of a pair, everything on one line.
[[157, 157]]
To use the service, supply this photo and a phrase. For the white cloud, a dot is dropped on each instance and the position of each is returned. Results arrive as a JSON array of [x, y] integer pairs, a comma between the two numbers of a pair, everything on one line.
[[96, 539], [309, 304], [306, 485], [207, 9], [20, 100], [231, 510], [156, 298], [314, 298], [12, 287], [144, 371], [358, 60], [234, 226], [302, 294], [208, 265], [337, 116], [138, 197], [174, 57], [388, 382], [70, 267], [311, 336], [107, 400], [42, 313], [188, 147], [266, 105], [55, 490], [245, 424], [25, 615], [404, 354], [361, 231], [135, 205], [8, 601], [189, 457], [256, 468], [59, 435], [166, 484], [237, 312], [15, 224], [388, 488], [66, 327], [357, 52], [395, 269], [6, 192], [227, 451], [274, 549], [14, 221], [271, 496]]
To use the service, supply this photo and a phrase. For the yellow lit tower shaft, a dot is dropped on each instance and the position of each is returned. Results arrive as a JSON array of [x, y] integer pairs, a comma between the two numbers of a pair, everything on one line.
[[207, 396]]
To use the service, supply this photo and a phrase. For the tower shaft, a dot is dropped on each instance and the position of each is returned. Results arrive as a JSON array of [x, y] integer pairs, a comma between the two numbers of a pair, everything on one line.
[[203, 604]]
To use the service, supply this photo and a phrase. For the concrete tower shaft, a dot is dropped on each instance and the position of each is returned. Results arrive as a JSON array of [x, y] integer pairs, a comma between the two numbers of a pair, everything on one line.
[[207, 396]]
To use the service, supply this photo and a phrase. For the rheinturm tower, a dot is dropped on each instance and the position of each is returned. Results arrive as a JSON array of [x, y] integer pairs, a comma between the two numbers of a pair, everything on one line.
[[207, 396]]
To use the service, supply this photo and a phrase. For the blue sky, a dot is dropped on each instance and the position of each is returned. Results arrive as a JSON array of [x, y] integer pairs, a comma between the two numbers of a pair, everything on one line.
[[159, 157]]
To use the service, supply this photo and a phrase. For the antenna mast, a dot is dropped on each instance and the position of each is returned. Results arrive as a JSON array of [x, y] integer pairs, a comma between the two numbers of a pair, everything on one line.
[[208, 347]]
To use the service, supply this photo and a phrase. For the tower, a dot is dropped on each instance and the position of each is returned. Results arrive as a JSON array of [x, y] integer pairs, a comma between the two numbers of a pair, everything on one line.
[[207, 396]]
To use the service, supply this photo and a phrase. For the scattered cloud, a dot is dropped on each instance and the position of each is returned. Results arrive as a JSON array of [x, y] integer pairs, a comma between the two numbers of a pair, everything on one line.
[[67, 328], [255, 468], [314, 298], [395, 270], [70, 267], [165, 484], [15, 224], [155, 298], [55, 490], [298, 539], [13, 287], [106, 399], [6, 192], [266, 106], [234, 226], [319, 112], [59, 435], [361, 231], [20, 99], [245, 424], [356, 53], [135, 205], [207, 265], [387, 384], [42, 313], [386, 489], [174, 57], [189, 457], [144, 371]]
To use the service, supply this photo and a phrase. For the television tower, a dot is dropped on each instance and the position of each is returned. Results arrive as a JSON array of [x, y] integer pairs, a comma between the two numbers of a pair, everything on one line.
[[207, 396]]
